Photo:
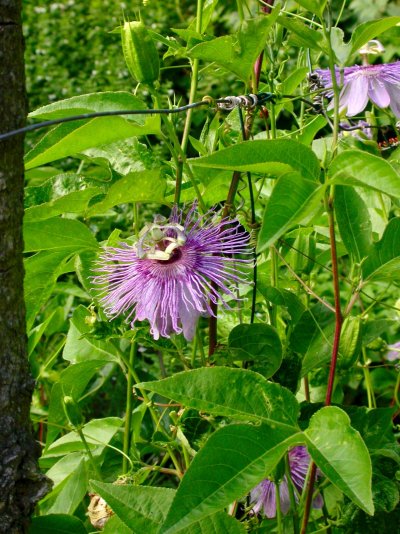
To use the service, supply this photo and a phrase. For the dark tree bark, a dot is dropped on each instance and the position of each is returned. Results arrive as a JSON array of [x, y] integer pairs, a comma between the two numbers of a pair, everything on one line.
[[21, 483]]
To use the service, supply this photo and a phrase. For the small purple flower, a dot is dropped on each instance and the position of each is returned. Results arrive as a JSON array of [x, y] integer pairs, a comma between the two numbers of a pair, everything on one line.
[[379, 83], [263, 496], [393, 353], [172, 272]]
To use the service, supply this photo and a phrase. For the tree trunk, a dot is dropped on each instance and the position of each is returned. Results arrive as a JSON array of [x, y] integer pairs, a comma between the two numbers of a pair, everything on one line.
[[21, 483]]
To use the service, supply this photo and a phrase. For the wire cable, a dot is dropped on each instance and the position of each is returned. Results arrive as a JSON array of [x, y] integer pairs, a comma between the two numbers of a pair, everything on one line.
[[226, 103]]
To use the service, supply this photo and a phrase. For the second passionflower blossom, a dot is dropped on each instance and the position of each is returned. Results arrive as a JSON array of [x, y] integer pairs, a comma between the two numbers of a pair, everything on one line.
[[173, 271], [360, 83], [264, 495]]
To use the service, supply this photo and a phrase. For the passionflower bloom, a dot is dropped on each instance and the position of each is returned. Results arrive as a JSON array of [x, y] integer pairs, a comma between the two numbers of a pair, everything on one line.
[[263, 496], [172, 272], [379, 83]]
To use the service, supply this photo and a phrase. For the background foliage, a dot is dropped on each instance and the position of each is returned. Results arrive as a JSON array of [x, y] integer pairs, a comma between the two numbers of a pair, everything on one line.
[[262, 391]]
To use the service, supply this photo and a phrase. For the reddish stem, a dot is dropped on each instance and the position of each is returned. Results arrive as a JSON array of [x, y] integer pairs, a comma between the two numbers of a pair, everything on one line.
[[338, 311], [309, 490], [335, 350]]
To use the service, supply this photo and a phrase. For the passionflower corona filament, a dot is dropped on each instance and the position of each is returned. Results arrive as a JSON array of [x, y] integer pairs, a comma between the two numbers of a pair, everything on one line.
[[173, 271]]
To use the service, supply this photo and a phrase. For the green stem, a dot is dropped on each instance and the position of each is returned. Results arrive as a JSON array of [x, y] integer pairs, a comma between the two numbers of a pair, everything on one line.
[[178, 154], [89, 453], [192, 98], [128, 409], [368, 382], [308, 496], [278, 508], [292, 498], [153, 414]]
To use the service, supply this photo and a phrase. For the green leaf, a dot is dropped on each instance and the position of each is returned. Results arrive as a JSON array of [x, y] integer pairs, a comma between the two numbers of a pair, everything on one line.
[[64, 193], [370, 30], [124, 156], [114, 525], [313, 339], [301, 34], [281, 297], [57, 234], [354, 222], [218, 522], [98, 433], [73, 381], [313, 6], [383, 262], [57, 524], [340, 453], [257, 342], [237, 53], [81, 345], [274, 157], [76, 136], [232, 462], [68, 495], [236, 393], [353, 167], [141, 508], [374, 425], [145, 186], [41, 273], [293, 199], [90, 103]]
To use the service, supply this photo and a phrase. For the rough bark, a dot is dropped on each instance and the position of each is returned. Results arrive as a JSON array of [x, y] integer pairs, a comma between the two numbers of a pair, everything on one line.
[[21, 483]]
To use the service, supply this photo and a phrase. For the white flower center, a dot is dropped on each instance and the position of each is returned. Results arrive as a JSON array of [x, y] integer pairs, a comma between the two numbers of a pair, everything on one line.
[[159, 241]]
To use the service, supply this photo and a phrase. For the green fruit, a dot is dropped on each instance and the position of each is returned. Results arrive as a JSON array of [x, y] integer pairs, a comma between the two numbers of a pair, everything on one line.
[[140, 52], [350, 342]]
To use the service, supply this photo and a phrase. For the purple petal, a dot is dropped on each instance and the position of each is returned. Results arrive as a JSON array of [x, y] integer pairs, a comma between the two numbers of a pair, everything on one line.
[[354, 96], [378, 93]]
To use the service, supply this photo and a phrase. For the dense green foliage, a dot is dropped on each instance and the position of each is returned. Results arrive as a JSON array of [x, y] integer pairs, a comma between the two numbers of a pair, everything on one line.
[[322, 208]]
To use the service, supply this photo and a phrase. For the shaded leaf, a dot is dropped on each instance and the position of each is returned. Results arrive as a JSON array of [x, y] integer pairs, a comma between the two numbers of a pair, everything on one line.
[[257, 342], [57, 524], [383, 261]]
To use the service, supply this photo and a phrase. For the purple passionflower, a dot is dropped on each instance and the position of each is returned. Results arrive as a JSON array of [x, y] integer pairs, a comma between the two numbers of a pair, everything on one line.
[[379, 83], [173, 271], [263, 496]]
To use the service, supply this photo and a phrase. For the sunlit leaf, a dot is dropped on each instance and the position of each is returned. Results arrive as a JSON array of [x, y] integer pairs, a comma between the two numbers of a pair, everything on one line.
[[353, 167], [274, 157], [232, 462], [293, 199], [340, 453], [236, 393], [353, 221]]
